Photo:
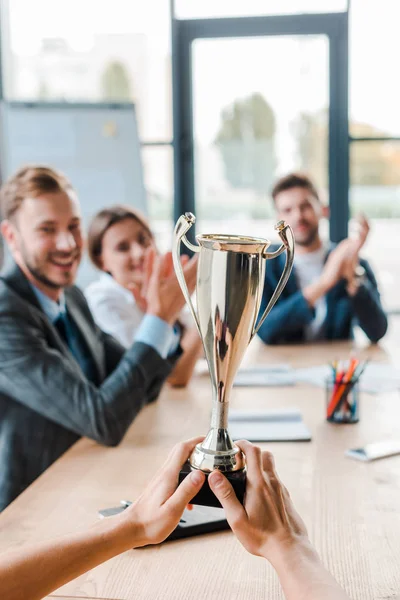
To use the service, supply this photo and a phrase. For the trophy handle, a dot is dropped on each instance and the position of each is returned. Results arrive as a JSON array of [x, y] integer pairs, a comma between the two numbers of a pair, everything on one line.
[[182, 226], [287, 237]]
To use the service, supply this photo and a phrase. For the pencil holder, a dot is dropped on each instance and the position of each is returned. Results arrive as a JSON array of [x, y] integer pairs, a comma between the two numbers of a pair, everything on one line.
[[342, 401]]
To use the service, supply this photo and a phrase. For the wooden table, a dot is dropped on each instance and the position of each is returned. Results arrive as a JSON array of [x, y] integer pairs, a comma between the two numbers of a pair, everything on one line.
[[352, 509]]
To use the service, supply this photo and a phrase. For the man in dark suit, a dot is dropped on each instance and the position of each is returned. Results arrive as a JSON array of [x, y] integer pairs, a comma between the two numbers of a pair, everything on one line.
[[61, 377], [331, 288]]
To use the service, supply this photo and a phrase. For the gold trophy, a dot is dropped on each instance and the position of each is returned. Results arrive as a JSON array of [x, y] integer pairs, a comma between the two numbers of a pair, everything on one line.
[[230, 282]]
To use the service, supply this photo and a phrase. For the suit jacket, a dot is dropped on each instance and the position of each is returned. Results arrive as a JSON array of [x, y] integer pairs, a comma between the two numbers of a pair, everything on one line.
[[288, 319], [46, 402]]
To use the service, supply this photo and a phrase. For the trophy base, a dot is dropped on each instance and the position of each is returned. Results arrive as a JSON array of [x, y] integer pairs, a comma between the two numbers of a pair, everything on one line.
[[206, 497]]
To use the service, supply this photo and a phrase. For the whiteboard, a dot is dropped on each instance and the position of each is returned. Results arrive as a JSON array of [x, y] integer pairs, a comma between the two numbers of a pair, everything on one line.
[[96, 146]]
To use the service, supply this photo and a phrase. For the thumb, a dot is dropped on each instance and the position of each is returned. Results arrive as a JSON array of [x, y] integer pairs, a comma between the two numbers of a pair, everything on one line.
[[133, 287], [190, 272], [135, 291], [149, 258], [167, 265], [225, 493], [138, 295], [184, 259], [155, 277], [186, 491]]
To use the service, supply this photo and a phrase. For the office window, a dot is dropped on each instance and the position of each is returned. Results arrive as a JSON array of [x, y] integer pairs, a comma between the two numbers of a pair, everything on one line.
[[374, 84], [375, 192], [374, 113], [158, 180], [196, 9], [91, 51], [251, 128]]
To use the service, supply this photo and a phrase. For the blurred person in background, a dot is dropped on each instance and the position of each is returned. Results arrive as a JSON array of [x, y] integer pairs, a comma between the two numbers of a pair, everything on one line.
[[331, 288], [118, 240], [62, 377], [267, 525]]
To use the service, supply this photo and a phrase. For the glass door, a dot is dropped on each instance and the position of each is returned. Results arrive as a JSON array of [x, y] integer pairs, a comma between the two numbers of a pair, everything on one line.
[[260, 110], [256, 98]]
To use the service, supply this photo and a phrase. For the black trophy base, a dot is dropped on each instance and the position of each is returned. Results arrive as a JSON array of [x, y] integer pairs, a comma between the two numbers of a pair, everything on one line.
[[206, 497]]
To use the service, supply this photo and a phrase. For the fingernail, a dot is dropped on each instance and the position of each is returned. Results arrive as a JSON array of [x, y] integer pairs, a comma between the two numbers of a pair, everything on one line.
[[216, 478], [197, 477]]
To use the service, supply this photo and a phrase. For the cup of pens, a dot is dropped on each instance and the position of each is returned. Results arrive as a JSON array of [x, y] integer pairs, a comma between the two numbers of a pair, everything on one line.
[[342, 391]]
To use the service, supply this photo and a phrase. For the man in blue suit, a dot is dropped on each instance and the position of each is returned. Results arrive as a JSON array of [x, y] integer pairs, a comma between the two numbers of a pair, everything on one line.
[[331, 288]]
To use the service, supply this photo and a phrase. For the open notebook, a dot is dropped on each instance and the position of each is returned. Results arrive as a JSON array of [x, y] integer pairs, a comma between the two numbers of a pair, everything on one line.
[[281, 425], [265, 376]]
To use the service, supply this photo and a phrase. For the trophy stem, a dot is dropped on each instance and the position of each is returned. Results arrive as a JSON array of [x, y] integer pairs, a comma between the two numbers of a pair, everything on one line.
[[217, 451], [219, 415]]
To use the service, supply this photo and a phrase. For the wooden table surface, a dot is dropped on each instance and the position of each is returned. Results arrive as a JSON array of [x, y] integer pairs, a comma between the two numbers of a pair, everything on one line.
[[352, 509]]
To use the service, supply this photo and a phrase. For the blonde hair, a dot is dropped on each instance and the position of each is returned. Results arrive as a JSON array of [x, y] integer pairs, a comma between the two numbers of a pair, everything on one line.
[[30, 181]]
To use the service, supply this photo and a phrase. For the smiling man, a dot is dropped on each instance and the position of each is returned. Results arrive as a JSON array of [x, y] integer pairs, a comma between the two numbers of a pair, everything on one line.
[[61, 377], [49, 258], [331, 288]]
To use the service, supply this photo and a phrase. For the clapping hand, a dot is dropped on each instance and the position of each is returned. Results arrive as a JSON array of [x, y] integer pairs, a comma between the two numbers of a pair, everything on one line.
[[343, 260], [160, 293], [357, 241]]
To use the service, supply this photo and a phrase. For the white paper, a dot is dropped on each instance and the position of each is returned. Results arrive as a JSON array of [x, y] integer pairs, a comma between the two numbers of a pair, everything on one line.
[[268, 425], [377, 377], [265, 376]]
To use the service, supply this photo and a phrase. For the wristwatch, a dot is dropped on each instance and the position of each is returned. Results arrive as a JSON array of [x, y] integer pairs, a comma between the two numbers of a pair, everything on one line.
[[359, 274], [358, 279]]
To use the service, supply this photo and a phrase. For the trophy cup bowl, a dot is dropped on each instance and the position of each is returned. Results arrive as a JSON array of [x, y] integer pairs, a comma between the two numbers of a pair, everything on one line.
[[230, 282]]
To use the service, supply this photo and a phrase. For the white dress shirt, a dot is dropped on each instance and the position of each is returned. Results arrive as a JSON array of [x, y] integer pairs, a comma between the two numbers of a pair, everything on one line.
[[116, 312], [308, 269], [51, 308], [114, 309]]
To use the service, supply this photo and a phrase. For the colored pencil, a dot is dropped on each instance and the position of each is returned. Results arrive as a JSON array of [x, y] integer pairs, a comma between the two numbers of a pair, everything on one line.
[[341, 390]]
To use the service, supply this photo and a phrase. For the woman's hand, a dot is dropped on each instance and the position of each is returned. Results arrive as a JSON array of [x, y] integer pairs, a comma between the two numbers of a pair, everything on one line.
[[157, 512], [267, 523]]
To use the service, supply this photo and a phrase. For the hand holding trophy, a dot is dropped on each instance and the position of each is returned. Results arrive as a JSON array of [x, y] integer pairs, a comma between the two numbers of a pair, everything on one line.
[[230, 281]]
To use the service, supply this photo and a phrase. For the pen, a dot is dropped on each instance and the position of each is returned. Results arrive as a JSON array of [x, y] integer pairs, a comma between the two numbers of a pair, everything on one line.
[[342, 387]]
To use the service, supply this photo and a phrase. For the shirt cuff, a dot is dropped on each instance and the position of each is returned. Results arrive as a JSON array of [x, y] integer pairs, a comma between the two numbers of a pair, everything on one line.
[[156, 333]]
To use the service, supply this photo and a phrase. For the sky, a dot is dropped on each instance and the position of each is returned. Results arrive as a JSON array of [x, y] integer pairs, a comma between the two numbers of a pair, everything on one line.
[[374, 50]]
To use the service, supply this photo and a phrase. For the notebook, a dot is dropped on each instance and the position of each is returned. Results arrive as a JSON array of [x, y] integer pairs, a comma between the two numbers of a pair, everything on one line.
[[265, 376], [280, 425]]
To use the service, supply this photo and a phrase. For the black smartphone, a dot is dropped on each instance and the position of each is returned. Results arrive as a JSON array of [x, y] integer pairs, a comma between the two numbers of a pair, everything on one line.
[[199, 520]]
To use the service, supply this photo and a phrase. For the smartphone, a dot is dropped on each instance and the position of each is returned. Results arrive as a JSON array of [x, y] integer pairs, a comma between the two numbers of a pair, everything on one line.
[[375, 450], [199, 520]]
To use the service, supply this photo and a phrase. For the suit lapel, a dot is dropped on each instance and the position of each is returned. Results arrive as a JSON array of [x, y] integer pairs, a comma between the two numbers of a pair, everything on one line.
[[292, 285], [15, 279]]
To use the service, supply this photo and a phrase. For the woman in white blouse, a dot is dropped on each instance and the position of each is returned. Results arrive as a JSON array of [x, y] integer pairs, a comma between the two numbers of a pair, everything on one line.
[[117, 241]]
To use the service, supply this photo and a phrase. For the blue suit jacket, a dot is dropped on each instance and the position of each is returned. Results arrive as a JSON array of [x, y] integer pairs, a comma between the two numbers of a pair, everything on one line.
[[46, 401], [288, 319]]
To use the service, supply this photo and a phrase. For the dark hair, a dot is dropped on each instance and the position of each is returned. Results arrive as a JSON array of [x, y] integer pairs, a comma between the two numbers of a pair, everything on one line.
[[105, 219], [294, 180], [30, 181]]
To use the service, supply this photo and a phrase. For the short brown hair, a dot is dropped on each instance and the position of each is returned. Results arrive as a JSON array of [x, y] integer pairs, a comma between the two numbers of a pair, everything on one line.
[[105, 219], [30, 181], [294, 180]]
